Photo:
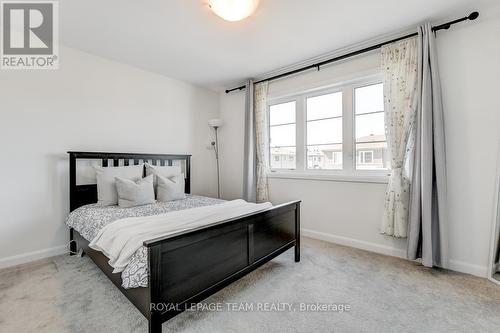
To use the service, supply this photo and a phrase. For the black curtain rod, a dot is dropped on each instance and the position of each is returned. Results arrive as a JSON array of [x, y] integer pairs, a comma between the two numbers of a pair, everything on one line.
[[445, 26]]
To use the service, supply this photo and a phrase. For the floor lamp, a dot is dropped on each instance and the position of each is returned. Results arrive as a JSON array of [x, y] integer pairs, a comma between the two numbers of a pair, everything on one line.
[[215, 124]]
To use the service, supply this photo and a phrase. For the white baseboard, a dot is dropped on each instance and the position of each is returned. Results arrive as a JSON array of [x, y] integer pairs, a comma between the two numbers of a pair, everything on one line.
[[359, 244], [464, 267], [32, 256], [494, 280], [454, 265], [496, 268]]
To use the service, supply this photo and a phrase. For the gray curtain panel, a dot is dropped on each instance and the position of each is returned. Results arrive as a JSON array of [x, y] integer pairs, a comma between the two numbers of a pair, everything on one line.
[[426, 227], [250, 154]]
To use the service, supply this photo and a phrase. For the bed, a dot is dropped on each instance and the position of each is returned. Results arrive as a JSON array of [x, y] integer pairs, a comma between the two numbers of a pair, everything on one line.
[[181, 269]]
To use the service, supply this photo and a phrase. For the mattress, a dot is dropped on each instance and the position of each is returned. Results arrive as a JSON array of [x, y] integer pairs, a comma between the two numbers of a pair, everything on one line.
[[90, 219]]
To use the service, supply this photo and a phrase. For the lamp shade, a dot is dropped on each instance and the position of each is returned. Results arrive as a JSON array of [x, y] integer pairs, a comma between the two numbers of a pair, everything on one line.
[[233, 10], [215, 123]]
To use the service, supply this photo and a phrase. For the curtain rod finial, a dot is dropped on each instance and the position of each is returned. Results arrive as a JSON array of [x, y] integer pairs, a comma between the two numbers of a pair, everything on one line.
[[473, 16]]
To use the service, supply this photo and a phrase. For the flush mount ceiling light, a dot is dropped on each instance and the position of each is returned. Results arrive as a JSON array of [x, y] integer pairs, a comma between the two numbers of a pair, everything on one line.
[[233, 10]]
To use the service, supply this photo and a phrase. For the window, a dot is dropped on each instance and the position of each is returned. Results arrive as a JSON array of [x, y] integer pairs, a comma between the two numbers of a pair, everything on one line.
[[282, 135], [324, 131], [371, 144], [365, 157], [337, 130]]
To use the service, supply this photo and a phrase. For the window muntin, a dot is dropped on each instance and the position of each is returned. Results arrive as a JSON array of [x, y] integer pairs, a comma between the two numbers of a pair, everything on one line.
[[282, 135], [324, 131], [370, 140]]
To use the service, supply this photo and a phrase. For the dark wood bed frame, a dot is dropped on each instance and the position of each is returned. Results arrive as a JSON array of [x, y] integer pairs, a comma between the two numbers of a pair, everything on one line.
[[187, 267]]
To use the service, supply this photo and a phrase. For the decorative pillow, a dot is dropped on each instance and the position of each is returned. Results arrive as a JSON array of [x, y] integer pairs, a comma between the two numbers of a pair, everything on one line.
[[164, 171], [170, 189], [106, 188], [135, 193]]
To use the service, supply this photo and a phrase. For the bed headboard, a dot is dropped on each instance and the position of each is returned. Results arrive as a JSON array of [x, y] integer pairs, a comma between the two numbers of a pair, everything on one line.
[[80, 195]]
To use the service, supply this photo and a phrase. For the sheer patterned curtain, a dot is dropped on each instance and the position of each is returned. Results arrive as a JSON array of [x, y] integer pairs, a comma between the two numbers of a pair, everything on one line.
[[255, 184], [399, 65], [261, 140]]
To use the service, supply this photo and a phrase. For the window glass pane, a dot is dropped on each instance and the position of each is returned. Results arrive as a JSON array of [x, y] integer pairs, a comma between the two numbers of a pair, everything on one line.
[[325, 106], [283, 158], [282, 135], [282, 113], [372, 156], [370, 127], [371, 145], [369, 98], [324, 157], [324, 131]]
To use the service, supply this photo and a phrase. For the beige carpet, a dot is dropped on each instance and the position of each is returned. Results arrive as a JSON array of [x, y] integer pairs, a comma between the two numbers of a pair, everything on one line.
[[70, 294]]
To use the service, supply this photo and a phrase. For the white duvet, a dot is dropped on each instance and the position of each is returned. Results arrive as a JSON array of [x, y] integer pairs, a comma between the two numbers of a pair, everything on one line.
[[119, 240]]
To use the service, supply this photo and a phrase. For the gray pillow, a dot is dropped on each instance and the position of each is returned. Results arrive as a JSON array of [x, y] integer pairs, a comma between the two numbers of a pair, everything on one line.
[[166, 171], [106, 188], [169, 189], [138, 193]]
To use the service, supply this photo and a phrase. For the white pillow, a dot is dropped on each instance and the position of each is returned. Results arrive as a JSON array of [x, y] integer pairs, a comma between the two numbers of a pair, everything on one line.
[[138, 193], [164, 171], [106, 188], [170, 189]]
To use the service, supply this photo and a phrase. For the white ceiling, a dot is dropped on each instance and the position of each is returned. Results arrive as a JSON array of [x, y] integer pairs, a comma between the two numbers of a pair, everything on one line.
[[183, 39]]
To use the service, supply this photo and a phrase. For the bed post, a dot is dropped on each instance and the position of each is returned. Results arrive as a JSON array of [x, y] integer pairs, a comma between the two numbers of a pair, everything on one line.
[[155, 288], [297, 232], [154, 325], [72, 197], [187, 187]]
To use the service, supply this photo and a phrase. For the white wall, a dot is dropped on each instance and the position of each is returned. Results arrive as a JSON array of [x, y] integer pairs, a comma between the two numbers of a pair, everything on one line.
[[350, 213], [469, 59], [89, 104], [232, 111]]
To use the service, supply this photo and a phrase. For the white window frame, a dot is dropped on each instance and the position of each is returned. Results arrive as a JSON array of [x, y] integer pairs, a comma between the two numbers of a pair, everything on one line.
[[348, 171]]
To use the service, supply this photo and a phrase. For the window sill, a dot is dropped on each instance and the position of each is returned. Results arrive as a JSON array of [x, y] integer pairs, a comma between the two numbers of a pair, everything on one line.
[[360, 178]]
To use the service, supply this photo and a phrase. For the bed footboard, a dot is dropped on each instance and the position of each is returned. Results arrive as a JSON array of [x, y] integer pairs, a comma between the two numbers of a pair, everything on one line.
[[186, 268]]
